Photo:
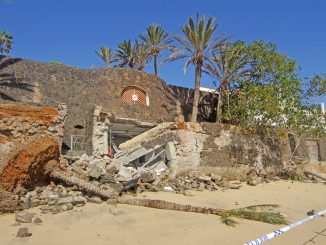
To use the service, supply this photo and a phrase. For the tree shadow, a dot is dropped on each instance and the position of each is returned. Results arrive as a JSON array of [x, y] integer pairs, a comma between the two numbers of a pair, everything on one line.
[[9, 78]]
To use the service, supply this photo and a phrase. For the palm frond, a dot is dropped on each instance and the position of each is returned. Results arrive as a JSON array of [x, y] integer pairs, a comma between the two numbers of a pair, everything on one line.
[[262, 213], [125, 54], [6, 42], [197, 41], [106, 55], [141, 55]]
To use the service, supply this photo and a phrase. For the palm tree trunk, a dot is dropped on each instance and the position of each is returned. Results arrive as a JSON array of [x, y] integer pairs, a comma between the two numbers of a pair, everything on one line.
[[228, 102], [219, 105], [244, 213], [155, 65], [82, 184], [159, 204], [196, 94]]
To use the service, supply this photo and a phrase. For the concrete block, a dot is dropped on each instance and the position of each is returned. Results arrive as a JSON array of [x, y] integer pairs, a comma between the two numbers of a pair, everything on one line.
[[170, 151]]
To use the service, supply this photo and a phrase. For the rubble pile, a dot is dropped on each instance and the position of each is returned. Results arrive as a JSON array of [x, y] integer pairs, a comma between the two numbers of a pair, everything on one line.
[[106, 174], [57, 198], [165, 157], [200, 182]]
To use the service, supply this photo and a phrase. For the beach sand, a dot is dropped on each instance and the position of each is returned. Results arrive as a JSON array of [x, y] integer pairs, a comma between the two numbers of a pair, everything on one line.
[[124, 225]]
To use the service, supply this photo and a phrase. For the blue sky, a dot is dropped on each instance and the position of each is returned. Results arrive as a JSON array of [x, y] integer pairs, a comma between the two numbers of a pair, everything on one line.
[[70, 30]]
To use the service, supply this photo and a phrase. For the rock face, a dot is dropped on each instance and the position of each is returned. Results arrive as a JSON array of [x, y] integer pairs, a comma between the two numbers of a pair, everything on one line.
[[27, 167]]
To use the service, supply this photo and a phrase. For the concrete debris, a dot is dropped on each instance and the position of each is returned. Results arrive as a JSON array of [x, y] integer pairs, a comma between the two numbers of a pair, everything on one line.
[[215, 177], [112, 202], [205, 178], [65, 200], [56, 209], [95, 171], [161, 158], [167, 188], [23, 232], [24, 217], [79, 200], [94, 199], [148, 176], [148, 135], [254, 180], [37, 220]]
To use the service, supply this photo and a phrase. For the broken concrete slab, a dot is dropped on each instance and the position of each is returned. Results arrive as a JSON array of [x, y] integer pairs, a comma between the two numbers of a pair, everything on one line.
[[130, 155], [24, 217], [170, 151], [159, 167], [147, 135]]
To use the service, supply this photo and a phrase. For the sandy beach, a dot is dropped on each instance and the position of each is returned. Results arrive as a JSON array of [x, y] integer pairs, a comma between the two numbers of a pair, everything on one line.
[[124, 225]]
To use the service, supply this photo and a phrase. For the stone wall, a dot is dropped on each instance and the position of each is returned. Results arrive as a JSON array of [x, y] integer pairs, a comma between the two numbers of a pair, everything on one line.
[[37, 83], [21, 125], [227, 146], [322, 149], [309, 148]]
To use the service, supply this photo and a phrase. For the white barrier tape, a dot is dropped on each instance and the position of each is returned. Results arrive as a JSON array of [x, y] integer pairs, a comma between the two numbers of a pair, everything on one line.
[[283, 229]]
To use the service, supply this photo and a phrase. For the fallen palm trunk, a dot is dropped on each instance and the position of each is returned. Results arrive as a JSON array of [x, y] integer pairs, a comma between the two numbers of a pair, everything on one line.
[[82, 184], [318, 175], [244, 213]]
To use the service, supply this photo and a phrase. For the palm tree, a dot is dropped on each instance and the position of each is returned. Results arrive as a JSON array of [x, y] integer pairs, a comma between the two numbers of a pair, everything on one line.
[[197, 47], [141, 55], [106, 55], [156, 40], [228, 66], [5, 42], [125, 55]]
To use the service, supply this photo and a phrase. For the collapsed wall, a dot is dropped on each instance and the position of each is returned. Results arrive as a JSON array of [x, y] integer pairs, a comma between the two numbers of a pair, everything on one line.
[[215, 146], [38, 83], [30, 136]]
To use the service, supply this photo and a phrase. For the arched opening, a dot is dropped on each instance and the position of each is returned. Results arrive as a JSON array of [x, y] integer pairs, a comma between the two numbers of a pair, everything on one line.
[[134, 95]]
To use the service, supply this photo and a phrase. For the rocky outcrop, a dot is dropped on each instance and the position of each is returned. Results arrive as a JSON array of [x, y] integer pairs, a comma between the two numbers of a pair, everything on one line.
[[27, 167]]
